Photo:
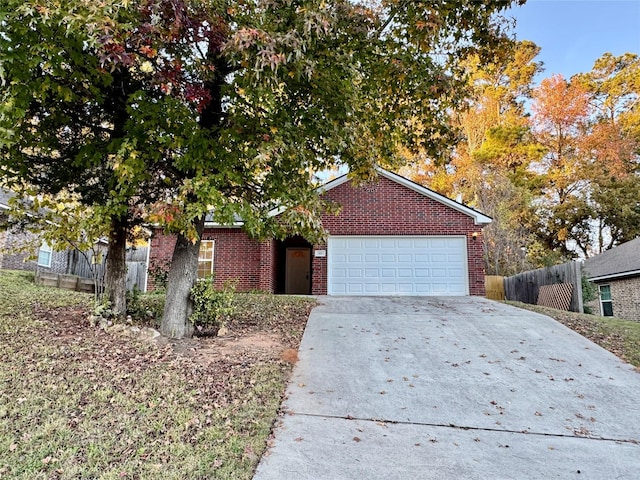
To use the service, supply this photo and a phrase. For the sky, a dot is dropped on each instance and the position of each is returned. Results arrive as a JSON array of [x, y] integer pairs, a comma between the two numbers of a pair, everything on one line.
[[573, 34]]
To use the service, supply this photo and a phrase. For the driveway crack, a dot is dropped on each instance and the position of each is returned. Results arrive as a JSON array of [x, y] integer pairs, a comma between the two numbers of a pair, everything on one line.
[[471, 428]]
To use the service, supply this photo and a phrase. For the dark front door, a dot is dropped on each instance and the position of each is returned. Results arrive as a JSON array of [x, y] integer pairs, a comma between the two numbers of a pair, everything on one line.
[[298, 271]]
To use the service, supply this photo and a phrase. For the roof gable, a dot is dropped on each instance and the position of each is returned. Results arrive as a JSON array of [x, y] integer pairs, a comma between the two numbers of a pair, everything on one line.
[[620, 261], [478, 217]]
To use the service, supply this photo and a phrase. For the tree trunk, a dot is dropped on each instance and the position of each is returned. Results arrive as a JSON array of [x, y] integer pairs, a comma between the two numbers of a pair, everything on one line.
[[116, 275], [182, 276]]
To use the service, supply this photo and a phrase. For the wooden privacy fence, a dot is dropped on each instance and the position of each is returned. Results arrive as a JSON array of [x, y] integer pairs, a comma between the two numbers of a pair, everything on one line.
[[525, 287], [80, 273], [494, 286], [136, 275]]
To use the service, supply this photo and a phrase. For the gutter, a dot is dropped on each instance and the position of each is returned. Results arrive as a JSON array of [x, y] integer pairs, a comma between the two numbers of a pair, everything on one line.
[[612, 276]]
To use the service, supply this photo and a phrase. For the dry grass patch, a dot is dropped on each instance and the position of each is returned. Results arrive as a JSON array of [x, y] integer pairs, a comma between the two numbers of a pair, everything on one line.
[[78, 401], [620, 337]]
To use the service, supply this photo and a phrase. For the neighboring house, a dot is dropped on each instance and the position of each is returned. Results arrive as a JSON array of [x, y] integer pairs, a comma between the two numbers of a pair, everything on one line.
[[40, 256], [616, 273], [392, 237]]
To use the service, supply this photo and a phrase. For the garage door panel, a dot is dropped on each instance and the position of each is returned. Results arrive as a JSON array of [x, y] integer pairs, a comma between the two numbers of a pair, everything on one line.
[[438, 258], [439, 273], [339, 273], [388, 288], [405, 273], [397, 266], [372, 288], [339, 258], [438, 242]]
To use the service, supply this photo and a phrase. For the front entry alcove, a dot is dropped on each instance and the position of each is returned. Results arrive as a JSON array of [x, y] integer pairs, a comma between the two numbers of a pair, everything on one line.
[[294, 266]]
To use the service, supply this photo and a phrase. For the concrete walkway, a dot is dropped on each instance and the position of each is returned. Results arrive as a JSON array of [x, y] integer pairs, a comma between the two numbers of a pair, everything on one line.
[[452, 388]]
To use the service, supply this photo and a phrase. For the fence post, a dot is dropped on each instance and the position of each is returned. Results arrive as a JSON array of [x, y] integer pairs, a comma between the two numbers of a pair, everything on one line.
[[578, 285]]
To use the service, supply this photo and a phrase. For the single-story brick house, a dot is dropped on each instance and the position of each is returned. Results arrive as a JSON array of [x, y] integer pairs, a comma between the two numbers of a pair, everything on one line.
[[392, 237], [616, 272]]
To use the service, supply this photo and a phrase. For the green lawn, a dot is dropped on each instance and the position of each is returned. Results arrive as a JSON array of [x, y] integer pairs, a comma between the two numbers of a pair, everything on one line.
[[621, 337], [78, 401]]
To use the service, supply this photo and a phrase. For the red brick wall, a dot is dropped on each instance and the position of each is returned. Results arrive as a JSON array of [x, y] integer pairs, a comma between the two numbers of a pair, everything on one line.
[[382, 208], [236, 257], [267, 281], [387, 208]]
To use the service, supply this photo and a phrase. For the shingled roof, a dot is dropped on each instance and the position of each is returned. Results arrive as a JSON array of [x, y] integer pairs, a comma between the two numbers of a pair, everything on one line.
[[620, 261]]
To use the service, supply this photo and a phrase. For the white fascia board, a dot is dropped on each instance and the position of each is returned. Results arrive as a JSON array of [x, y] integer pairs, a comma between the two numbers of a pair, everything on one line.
[[321, 189], [479, 218], [615, 276], [333, 183], [223, 225]]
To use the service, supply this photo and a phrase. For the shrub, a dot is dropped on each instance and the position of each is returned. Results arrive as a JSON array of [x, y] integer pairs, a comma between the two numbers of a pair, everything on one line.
[[210, 306], [589, 293], [145, 308]]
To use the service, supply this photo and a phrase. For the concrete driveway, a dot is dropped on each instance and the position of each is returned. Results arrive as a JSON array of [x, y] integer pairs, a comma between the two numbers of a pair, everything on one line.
[[452, 388]]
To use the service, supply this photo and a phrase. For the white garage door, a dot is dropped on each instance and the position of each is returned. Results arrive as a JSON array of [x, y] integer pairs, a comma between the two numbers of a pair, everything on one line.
[[397, 266]]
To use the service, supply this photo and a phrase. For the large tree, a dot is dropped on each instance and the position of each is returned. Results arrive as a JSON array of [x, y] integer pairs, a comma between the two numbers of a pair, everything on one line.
[[591, 127], [489, 167], [177, 108], [612, 147], [560, 114]]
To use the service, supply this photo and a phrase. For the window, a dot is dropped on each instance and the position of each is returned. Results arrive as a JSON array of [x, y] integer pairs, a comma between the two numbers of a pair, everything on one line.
[[205, 259], [44, 256], [606, 306]]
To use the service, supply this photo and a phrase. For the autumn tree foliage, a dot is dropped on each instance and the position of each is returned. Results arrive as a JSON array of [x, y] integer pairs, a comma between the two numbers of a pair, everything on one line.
[[590, 128], [560, 111], [489, 167], [166, 110], [612, 146], [556, 166]]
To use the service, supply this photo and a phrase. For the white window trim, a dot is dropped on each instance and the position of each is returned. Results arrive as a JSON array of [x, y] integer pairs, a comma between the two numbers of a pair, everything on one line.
[[45, 248], [213, 255], [602, 301]]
